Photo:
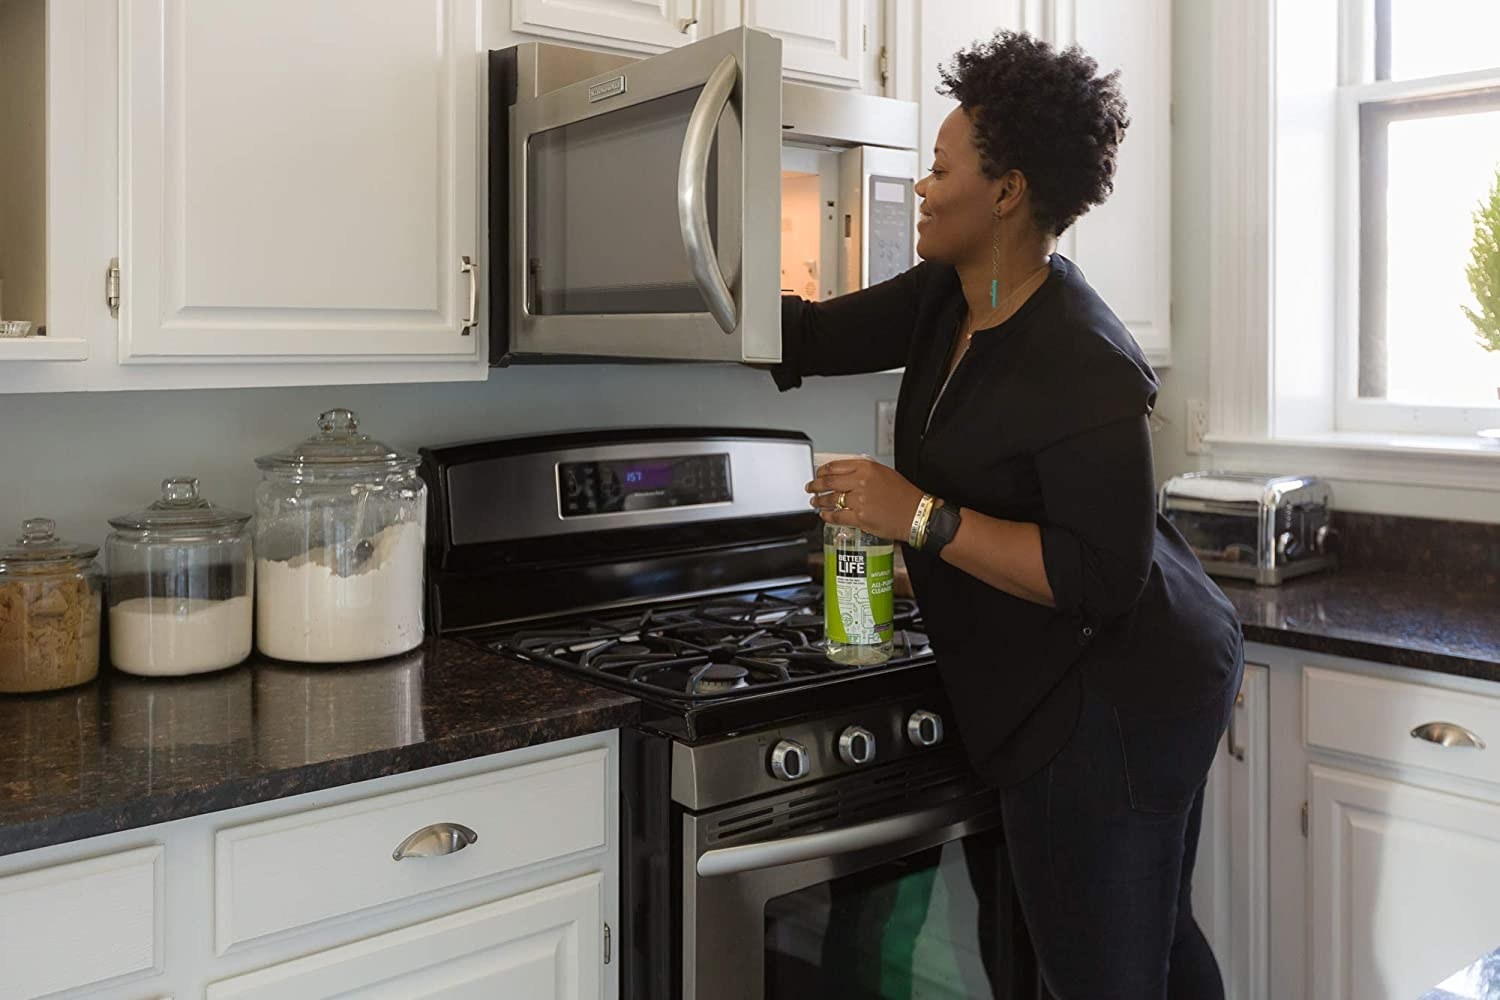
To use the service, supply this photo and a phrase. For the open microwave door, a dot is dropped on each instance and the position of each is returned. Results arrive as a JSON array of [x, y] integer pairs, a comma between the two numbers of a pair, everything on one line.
[[643, 211]]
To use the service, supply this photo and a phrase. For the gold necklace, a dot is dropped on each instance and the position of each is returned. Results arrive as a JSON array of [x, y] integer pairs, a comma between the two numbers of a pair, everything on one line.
[[973, 324]]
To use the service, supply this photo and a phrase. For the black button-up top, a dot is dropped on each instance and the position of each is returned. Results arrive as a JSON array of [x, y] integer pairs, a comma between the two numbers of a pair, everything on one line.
[[1043, 421]]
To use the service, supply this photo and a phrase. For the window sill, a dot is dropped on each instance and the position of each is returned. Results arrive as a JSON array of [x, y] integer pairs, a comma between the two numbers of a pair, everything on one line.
[[1463, 462]]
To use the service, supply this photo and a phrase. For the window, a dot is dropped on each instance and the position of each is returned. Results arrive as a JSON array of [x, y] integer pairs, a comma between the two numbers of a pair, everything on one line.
[[1423, 102]]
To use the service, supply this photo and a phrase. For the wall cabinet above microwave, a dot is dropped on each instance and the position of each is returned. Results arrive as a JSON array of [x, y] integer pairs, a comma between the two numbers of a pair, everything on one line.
[[823, 42]]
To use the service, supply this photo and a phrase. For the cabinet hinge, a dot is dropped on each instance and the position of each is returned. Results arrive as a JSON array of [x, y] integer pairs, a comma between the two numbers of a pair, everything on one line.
[[112, 286], [606, 944], [864, 38], [885, 67], [1304, 819]]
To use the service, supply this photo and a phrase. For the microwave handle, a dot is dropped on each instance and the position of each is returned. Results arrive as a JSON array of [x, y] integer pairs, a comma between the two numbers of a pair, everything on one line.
[[692, 194], [790, 850]]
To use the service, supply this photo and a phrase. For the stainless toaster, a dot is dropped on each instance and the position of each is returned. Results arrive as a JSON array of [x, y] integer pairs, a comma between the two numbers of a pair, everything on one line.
[[1253, 527]]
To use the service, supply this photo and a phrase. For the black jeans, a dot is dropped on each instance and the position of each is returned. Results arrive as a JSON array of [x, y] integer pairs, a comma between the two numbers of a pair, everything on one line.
[[1101, 844]]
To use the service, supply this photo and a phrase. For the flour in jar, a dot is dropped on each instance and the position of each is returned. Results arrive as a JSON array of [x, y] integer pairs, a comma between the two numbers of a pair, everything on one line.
[[307, 612], [163, 637]]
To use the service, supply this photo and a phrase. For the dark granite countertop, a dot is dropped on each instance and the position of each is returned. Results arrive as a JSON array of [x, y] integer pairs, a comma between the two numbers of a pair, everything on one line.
[[126, 752], [1447, 626]]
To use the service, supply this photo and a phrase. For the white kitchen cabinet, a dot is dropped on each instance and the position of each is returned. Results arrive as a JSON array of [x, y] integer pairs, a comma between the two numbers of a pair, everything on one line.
[[542, 945], [299, 181], [174, 909], [1231, 883], [80, 924], [1405, 885], [926, 36], [634, 25], [1125, 245], [821, 42]]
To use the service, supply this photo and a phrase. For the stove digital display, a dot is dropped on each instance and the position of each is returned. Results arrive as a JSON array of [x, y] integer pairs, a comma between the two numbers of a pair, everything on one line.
[[642, 484]]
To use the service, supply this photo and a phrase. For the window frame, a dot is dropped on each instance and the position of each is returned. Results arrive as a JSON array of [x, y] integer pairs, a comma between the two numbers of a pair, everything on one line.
[[1256, 421], [1361, 99]]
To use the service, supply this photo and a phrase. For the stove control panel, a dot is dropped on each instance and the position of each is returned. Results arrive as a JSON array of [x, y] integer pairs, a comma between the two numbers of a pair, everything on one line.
[[602, 487], [858, 741], [789, 760], [856, 746], [924, 728]]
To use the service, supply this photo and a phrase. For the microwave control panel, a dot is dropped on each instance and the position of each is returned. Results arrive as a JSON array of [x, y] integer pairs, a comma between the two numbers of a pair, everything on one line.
[[890, 240]]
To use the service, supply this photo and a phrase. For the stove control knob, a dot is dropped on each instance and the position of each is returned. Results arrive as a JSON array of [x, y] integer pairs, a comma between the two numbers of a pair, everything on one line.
[[856, 746], [789, 760], [924, 729]]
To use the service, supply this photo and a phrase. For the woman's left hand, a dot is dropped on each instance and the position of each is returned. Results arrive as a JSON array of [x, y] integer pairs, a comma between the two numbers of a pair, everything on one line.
[[876, 497]]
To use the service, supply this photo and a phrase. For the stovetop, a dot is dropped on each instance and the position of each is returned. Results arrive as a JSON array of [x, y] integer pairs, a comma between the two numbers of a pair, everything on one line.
[[720, 664]]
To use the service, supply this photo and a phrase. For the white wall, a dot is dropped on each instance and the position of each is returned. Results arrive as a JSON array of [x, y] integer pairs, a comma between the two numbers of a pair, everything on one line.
[[1192, 59]]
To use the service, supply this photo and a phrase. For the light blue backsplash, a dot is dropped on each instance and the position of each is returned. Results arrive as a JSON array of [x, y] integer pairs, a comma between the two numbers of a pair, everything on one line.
[[83, 457]]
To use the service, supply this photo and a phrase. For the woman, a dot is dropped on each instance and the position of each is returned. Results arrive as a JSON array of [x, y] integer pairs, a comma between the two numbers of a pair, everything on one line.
[[1090, 662]]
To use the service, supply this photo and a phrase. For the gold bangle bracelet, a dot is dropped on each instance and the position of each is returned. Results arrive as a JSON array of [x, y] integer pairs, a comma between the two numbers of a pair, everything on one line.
[[932, 509], [918, 533]]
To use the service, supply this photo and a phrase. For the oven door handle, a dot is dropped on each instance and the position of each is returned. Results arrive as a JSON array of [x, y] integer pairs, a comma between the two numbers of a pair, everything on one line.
[[808, 847], [692, 193]]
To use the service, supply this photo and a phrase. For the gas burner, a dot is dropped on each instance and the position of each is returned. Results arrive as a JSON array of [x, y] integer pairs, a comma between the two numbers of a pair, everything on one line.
[[910, 642], [716, 678]]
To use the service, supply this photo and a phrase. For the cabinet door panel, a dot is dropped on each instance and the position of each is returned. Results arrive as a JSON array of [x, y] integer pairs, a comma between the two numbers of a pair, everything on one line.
[[1124, 246], [820, 42], [298, 179], [1406, 885], [642, 25], [541, 945], [1231, 880]]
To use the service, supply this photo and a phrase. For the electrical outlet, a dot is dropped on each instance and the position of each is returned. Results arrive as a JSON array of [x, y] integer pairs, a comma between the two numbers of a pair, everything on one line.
[[885, 427], [1197, 427]]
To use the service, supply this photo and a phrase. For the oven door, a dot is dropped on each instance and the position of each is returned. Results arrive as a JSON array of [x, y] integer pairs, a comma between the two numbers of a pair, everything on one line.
[[638, 221], [913, 905]]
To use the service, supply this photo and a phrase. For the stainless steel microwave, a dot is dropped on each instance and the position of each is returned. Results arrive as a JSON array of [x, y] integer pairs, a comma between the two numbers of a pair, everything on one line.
[[634, 202]]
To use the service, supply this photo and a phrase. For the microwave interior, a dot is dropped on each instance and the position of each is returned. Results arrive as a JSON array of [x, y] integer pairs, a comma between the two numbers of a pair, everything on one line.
[[830, 199]]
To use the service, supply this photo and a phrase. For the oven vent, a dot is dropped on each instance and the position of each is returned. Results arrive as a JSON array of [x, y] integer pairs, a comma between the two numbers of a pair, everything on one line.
[[850, 798]]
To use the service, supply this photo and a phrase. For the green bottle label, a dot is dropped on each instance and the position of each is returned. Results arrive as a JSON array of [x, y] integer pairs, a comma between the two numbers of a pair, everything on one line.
[[859, 600]]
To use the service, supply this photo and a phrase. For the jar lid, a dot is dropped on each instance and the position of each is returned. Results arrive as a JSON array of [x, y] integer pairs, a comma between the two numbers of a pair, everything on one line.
[[180, 509], [338, 443], [39, 544]]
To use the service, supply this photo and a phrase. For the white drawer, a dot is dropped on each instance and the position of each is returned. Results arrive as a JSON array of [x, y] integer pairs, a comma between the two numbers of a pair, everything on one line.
[[1374, 717], [297, 870], [80, 924]]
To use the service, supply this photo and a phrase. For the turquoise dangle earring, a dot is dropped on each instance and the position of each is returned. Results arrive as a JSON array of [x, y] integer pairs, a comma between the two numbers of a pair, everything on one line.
[[995, 266]]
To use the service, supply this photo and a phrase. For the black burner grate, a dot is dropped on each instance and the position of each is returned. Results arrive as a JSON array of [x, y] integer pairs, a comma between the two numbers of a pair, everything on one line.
[[713, 649]]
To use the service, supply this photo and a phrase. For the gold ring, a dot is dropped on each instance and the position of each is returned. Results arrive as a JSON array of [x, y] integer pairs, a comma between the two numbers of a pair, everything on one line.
[[842, 502]]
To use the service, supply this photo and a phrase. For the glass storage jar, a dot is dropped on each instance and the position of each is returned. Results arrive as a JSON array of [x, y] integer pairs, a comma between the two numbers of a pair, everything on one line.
[[181, 585], [340, 538], [49, 611]]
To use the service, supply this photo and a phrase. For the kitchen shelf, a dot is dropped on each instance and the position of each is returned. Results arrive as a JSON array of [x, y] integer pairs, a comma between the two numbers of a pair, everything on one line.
[[44, 349]]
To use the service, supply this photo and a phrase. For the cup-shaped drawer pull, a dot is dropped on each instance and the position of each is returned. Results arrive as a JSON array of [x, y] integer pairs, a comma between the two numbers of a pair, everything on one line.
[[434, 841], [1447, 734]]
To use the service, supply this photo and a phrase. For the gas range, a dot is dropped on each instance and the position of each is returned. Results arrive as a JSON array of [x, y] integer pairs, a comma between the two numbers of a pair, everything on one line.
[[672, 564], [669, 563]]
